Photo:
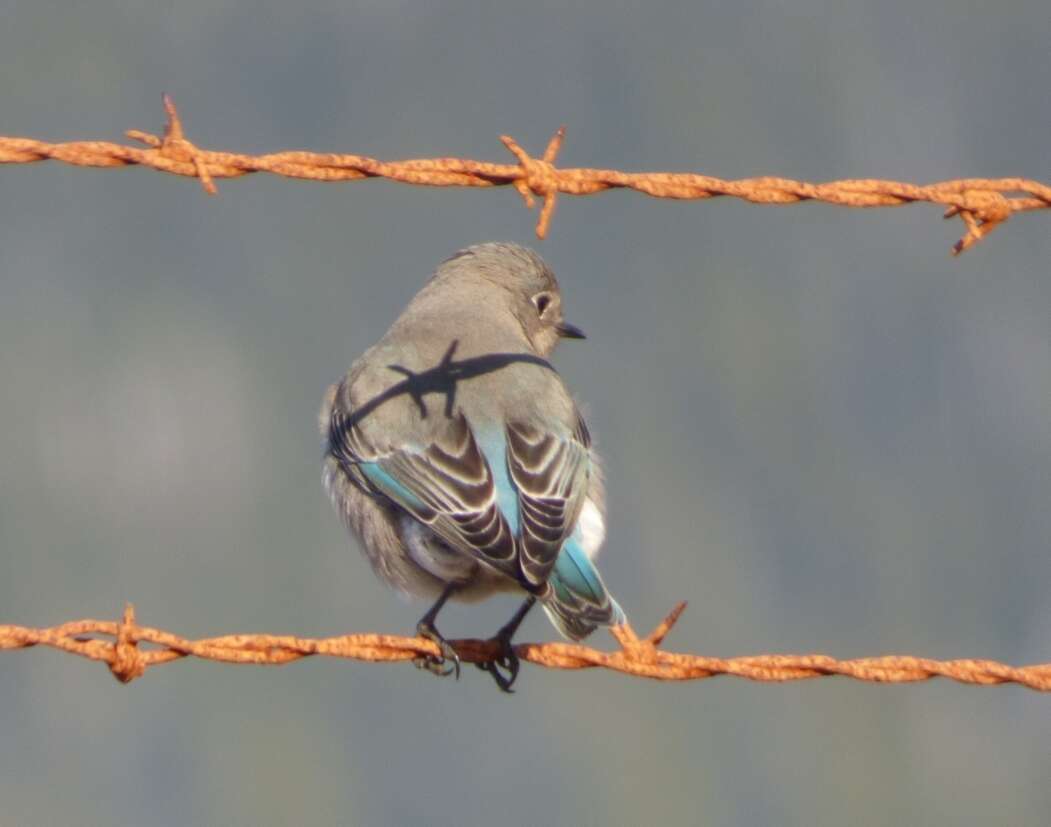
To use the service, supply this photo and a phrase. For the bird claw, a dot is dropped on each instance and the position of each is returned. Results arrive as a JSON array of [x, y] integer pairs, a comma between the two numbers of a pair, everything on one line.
[[507, 661], [437, 665], [443, 665]]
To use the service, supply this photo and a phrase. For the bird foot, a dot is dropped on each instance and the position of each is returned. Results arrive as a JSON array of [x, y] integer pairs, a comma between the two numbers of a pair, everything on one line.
[[507, 661], [437, 664]]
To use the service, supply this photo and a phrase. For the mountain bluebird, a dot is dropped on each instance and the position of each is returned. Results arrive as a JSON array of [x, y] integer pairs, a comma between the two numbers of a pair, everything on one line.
[[455, 453]]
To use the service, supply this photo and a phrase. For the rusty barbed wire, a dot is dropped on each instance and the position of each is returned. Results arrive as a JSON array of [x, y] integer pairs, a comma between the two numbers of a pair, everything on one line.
[[981, 203], [637, 656]]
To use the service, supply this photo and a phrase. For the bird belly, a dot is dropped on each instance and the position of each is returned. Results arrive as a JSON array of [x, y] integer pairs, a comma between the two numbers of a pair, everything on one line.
[[436, 557]]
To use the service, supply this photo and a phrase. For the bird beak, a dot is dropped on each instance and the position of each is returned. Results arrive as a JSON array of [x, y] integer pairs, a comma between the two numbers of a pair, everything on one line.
[[569, 331]]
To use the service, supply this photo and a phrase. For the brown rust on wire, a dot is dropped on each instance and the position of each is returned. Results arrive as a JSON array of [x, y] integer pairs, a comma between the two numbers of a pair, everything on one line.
[[120, 645], [981, 203]]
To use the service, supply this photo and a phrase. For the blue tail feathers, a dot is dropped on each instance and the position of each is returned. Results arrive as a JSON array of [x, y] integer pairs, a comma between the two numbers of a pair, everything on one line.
[[578, 601]]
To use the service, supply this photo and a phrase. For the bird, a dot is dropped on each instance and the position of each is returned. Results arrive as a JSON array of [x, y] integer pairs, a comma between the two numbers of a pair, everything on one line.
[[455, 453]]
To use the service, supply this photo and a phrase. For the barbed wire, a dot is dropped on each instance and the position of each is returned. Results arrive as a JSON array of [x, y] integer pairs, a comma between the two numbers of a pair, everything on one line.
[[981, 203], [637, 656]]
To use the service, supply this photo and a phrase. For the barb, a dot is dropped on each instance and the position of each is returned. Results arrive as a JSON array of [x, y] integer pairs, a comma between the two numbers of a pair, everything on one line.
[[118, 644], [981, 203]]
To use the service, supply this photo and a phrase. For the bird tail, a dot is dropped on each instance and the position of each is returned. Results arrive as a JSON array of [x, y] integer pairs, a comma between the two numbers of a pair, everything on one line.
[[578, 601]]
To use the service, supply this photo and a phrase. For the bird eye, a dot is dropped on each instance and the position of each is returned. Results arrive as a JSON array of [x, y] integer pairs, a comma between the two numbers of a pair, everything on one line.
[[542, 302]]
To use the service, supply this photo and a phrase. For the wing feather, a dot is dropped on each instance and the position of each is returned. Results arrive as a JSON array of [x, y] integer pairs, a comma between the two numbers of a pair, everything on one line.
[[447, 485], [550, 473]]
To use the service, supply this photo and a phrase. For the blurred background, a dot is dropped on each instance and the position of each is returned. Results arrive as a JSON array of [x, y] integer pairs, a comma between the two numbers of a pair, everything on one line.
[[819, 428]]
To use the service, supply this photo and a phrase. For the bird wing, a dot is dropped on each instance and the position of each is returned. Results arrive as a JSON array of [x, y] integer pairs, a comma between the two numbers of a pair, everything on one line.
[[511, 503], [447, 485], [550, 474]]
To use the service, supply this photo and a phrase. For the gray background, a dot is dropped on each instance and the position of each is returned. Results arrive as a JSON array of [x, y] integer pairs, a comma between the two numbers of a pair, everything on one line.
[[820, 429]]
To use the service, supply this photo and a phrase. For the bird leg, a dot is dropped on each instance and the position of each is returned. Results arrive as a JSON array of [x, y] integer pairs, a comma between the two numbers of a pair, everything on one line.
[[507, 659], [427, 630]]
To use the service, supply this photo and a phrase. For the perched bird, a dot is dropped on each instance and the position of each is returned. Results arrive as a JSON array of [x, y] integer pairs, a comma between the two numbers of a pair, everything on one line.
[[455, 453]]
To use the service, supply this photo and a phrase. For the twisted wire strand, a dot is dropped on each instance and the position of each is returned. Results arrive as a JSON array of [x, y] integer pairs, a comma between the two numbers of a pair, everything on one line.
[[118, 644], [981, 203]]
